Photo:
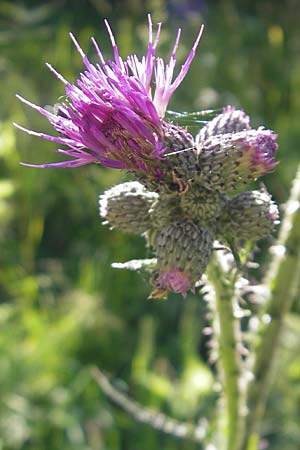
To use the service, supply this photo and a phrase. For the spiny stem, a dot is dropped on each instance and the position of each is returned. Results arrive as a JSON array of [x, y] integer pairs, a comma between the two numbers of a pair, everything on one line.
[[155, 419], [229, 339], [281, 279]]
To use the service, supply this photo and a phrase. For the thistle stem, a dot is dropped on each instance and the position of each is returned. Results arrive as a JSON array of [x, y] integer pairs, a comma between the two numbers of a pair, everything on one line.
[[155, 419], [281, 279], [229, 339]]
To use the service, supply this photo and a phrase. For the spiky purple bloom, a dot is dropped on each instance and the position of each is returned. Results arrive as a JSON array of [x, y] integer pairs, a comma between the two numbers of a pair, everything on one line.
[[111, 116]]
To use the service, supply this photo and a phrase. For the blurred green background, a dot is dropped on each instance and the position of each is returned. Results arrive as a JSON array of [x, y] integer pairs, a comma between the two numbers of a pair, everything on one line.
[[62, 307]]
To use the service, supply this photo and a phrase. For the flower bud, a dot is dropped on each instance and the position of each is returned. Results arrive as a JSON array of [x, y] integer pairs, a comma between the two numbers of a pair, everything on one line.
[[181, 151], [230, 121], [201, 205], [165, 209], [183, 250], [229, 161], [126, 207], [251, 215]]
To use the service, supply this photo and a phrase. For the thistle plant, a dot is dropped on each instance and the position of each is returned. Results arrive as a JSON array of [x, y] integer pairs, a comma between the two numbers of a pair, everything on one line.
[[191, 201]]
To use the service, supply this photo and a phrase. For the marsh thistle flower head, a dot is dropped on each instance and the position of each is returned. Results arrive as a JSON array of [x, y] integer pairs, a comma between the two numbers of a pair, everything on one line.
[[126, 207], [229, 161], [250, 215], [183, 250], [114, 113], [231, 120]]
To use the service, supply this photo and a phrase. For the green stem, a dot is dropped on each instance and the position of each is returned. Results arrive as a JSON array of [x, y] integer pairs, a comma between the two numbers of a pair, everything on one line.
[[283, 275], [148, 416], [229, 338]]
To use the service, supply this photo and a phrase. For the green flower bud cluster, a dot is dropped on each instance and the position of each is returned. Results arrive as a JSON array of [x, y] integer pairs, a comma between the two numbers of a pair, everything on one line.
[[227, 153], [181, 216]]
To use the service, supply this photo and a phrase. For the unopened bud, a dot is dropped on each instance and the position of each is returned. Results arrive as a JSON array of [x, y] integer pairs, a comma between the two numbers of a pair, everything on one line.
[[251, 215], [201, 205], [165, 209], [229, 161], [126, 207], [183, 250], [230, 121], [181, 151]]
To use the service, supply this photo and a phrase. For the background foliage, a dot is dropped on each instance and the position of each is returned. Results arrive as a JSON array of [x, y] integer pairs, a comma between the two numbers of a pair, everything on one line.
[[62, 308]]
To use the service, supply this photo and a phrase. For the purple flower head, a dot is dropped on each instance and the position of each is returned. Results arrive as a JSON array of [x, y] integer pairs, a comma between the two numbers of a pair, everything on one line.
[[258, 150], [176, 281], [112, 116], [229, 161]]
